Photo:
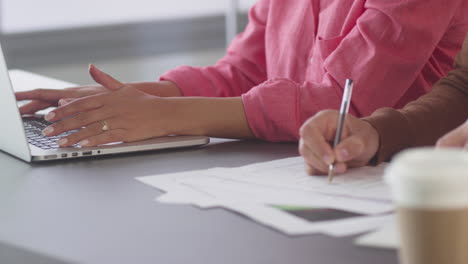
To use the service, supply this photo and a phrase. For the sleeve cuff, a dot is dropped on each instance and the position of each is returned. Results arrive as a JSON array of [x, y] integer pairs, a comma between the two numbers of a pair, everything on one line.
[[271, 112], [394, 133], [185, 77]]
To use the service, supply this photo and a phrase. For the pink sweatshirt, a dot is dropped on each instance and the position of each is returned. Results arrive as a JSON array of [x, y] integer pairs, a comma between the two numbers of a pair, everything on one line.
[[294, 56]]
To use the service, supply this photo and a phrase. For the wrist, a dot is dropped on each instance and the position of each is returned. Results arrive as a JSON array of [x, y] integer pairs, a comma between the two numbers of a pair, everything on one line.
[[161, 88], [215, 117], [373, 143]]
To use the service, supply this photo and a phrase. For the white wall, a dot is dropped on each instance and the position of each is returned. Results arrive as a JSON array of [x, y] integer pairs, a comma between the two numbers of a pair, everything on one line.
[[39, 15]]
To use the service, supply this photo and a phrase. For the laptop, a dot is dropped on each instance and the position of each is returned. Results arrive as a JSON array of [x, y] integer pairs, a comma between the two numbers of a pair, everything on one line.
[[21, 135]]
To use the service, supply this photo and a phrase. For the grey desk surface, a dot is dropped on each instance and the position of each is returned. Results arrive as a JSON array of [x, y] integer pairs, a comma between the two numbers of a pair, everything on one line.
[[94, 211]]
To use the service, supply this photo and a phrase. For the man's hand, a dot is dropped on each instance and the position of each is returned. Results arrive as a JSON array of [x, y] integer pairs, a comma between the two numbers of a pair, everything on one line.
[[359, 143]]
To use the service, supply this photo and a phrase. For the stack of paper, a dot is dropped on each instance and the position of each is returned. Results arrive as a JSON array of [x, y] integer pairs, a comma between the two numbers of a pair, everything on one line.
[[281, 195]]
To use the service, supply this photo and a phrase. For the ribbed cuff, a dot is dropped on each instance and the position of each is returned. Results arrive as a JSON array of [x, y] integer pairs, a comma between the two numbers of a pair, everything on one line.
[[271, 113], [394, 133]]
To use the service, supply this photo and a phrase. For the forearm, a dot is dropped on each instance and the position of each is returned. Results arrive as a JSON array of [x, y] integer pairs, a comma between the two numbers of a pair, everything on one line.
[[214, 117], [421, 122]]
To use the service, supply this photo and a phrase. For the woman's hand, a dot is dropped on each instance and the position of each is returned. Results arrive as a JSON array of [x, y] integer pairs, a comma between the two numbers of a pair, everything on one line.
[[119, 112], [456, 138], [359, 143], [45, 98]]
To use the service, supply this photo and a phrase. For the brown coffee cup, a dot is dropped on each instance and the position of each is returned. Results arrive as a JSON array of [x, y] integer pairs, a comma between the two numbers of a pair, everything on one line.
[[430, 190]]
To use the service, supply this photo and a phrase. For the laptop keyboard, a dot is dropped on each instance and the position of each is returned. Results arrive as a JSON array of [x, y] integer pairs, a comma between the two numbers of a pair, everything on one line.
[[34, 127]]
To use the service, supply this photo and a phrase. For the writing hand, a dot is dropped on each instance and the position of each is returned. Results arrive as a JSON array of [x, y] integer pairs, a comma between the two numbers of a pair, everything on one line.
[[359, 143]]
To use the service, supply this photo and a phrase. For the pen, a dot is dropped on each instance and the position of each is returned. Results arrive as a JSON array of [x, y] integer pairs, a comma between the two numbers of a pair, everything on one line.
[[345, 102]]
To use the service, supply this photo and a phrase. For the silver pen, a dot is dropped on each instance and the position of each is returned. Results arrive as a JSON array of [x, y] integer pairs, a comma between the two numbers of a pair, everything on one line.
[[345, 102]]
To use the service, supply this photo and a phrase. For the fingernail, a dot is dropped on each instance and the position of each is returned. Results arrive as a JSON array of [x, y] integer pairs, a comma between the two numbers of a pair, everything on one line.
[[48, 130], [62, 102], [49, 116], [328, 159], [84, 143], [344, 154], [62, 141]]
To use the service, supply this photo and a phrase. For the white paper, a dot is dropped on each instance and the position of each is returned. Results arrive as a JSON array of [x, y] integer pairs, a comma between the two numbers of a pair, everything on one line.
[[250, 190], [243, 192], [365, 182], [386, 237], [178, 193]]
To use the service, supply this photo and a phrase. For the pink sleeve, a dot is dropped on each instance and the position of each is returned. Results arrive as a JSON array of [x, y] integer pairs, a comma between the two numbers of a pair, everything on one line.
[[384, 53], [242, 68]]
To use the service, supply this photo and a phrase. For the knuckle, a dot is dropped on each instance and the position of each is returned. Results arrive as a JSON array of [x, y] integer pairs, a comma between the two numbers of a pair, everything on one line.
[[304, 128], [82, 118], [441, 141], [74, 137], [326, 113], [59, 126], [307, 128]]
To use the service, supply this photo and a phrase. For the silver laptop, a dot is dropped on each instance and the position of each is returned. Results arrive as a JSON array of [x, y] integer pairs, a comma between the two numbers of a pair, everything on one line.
[[22, 137]]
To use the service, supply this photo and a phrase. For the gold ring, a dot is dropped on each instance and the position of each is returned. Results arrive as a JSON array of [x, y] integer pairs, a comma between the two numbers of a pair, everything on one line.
[[105, 126]]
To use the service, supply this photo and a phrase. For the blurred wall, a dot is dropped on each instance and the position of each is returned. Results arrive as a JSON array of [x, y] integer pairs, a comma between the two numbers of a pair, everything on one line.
[[43, 15]]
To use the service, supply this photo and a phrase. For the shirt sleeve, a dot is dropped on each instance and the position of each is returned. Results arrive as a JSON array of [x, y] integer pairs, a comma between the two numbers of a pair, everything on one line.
[[243, 67], [422, 122], [384, 53]]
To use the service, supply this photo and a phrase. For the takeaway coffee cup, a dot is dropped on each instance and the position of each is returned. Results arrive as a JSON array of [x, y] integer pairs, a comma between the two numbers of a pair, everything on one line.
[[430, 190]]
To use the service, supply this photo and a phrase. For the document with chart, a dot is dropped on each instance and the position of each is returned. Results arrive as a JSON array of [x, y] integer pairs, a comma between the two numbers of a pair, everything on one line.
[[281, 195]]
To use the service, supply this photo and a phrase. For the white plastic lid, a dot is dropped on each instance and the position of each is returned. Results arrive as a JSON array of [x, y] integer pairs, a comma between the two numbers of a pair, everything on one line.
[[429, 178]]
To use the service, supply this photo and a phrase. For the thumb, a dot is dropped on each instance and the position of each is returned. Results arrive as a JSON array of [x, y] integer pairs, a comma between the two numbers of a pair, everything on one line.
[[104, 79], [351, 148]]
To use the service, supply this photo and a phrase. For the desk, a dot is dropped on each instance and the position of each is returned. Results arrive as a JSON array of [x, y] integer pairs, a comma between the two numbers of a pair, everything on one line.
[[94, 211]]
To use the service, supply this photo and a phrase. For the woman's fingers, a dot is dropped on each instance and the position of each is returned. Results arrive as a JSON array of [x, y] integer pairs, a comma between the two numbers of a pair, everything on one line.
[[76, 106], [65, 101], [84, 133], [49, 95], [92, 130], [104, 79], [33, 106], [78, 121]]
